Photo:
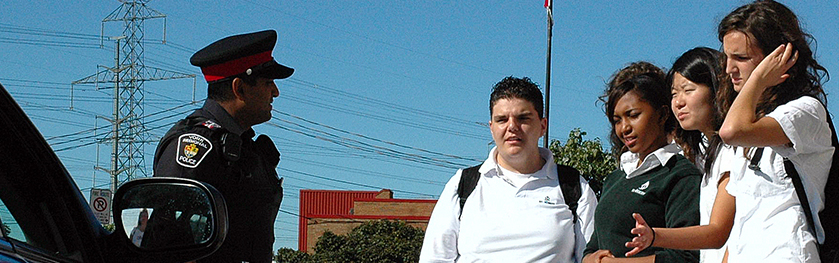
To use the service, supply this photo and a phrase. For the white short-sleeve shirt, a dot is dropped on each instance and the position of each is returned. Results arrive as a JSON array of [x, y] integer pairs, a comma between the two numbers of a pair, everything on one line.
[[708, 194], [770, 225]]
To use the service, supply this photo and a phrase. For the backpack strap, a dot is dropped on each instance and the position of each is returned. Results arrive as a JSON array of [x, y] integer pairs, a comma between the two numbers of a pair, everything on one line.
[[796, 182], [468, 181], [831, 182], [754, 162], [831, 242], [569, 183], [802, 195]]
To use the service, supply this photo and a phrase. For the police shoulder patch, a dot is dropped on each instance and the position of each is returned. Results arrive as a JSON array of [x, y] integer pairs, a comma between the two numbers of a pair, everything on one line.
[[192, 148]]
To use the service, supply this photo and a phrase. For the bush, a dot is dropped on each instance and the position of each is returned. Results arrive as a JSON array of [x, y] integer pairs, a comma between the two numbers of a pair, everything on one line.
[[372, 241], [587, 156]]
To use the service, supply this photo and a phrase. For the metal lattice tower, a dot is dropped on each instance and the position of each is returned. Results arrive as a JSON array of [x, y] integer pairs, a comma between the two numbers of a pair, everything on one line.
[[129, 134]]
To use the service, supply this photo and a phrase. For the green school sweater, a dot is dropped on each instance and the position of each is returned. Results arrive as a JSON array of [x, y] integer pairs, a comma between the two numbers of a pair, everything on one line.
[[667, 196]]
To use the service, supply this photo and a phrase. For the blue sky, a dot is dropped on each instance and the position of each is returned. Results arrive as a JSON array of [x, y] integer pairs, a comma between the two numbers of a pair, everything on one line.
[[386, 94]]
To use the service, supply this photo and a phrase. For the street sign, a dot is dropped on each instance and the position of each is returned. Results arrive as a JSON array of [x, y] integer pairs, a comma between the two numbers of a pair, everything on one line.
[[100, 203]]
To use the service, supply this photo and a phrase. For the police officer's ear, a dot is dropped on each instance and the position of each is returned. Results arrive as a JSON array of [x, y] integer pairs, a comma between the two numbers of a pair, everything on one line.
[[238, 87]]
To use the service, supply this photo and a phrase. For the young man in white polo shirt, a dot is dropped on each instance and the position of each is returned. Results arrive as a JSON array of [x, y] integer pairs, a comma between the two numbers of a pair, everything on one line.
[[517, 211]]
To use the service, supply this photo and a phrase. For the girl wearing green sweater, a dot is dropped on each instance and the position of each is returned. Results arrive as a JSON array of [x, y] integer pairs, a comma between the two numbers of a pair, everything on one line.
[[653, 178]]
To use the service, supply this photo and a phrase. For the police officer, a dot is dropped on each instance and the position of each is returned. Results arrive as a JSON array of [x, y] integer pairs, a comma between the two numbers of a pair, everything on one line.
[[215, 144]]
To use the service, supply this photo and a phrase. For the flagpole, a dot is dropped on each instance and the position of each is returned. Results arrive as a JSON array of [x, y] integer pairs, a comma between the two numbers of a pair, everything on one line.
[[549, 8]]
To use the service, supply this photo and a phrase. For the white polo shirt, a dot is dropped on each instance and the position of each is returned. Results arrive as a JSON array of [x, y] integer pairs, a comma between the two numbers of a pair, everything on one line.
[[770, 225], [505, 222]]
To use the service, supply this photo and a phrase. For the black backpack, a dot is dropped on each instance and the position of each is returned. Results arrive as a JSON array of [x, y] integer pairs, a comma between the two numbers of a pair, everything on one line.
[[829, 216], [569, 183]]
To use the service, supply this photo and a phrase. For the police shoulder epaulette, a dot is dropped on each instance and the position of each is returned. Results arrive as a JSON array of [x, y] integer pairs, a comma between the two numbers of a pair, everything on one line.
[[210, 124], [230, 142]]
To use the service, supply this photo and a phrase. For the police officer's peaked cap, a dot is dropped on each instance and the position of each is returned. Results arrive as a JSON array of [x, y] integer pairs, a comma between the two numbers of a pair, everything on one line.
[[248, 54]]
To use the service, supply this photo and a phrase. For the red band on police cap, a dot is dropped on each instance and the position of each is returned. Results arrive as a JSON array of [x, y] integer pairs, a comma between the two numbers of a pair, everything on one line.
[[235, 67]]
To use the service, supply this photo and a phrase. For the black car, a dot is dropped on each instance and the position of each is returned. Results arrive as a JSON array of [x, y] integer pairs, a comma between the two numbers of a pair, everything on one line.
[[45, 218]]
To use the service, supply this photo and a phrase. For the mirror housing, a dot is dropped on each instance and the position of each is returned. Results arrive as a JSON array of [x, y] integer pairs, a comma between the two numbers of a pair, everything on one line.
[[178, 220]]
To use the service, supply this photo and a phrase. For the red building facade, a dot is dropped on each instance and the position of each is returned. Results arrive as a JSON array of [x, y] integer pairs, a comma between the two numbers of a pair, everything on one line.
[[341, 211]]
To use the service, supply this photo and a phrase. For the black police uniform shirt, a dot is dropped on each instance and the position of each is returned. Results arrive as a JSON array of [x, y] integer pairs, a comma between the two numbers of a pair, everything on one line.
[[204, 147]]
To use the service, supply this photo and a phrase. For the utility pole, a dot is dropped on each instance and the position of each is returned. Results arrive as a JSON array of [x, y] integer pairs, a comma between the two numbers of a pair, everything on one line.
[[129, 134], [115, 171], [549, 6]]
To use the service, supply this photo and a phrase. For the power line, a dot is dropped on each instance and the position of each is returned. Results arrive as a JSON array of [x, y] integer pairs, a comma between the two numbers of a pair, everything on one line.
[[348, 103], [144, 130], [364, 172], [35, 81], [53, 120], [312, 182], [379, 103], [169, 110], [358, 145], [292, 213], [46, 43], [78, 112], [352, 183], [9, 28], [169, 43], [391, 120], [374, 139], [375, 40], [347, 152]]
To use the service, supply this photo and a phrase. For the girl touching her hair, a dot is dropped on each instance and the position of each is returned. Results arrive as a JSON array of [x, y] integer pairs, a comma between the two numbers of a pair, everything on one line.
[[780, 108]]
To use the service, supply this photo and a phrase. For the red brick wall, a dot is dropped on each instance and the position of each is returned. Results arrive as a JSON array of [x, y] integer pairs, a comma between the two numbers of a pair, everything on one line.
[[393, 208]]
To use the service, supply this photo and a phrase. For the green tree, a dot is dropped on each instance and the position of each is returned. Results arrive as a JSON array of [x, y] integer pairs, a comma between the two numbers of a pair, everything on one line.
[[333, 248], [587, 156], [290, 255], [372, 241]]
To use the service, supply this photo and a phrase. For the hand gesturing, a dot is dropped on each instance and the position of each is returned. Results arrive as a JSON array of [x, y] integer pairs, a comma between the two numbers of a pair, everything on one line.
[[645, 237]]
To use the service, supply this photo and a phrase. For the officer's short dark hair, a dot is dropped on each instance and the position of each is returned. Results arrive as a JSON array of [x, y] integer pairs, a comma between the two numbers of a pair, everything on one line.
[[223, 90], [521, 88]]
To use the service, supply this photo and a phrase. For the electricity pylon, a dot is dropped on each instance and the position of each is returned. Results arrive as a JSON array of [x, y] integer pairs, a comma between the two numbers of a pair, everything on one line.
[[126, 78]]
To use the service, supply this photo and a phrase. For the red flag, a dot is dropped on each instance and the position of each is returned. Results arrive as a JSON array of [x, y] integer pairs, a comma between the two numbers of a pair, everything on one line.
[[549, 9]]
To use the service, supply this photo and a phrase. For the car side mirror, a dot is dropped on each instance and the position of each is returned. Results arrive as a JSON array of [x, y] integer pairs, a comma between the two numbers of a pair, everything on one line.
[[162, 216]]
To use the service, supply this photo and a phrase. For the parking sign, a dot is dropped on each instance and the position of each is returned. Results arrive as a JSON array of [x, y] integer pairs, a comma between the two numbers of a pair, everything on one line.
[[100, 203]]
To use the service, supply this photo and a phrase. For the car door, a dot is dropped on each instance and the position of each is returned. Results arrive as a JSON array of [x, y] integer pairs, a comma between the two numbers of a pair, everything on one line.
[[45, 218], [7, 253]]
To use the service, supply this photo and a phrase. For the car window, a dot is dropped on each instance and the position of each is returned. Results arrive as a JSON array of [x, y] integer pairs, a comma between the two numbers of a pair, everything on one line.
[[9, 227]]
